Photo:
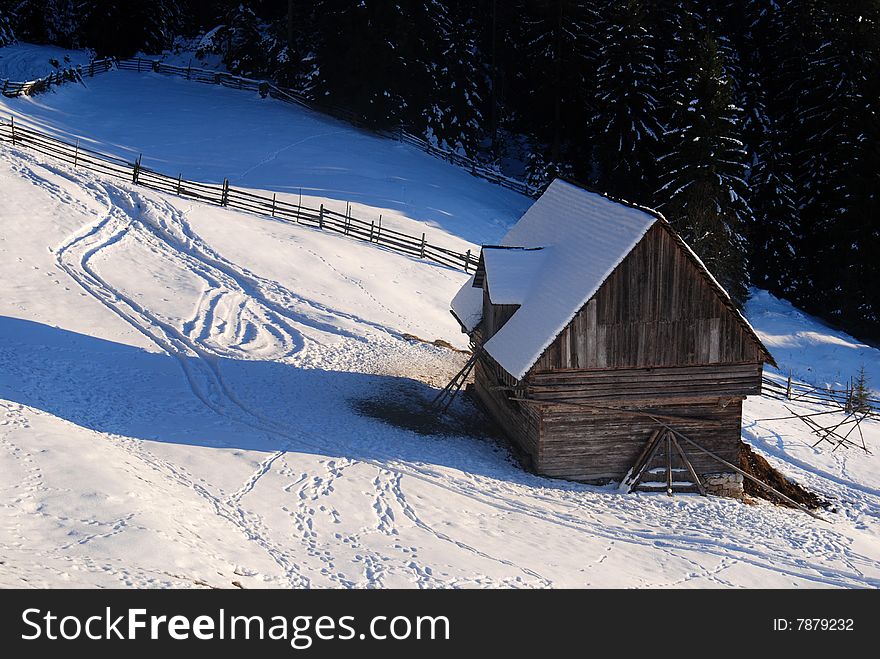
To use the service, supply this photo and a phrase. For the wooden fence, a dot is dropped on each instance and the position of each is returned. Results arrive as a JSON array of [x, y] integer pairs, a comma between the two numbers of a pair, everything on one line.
[[59, 77], [265, 88], [321, 218], [844, 399]]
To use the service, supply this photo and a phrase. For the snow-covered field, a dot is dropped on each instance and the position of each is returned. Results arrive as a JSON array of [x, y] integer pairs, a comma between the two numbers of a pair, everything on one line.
[[179, 384]]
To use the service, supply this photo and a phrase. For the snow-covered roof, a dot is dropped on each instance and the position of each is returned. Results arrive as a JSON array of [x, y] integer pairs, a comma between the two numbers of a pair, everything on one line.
[[510, 272], [584, 236], [553, 261], [467, 305]]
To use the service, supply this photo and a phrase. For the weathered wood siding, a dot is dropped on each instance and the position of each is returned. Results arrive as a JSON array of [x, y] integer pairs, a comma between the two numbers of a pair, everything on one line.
[[521, 422], [603, 445], [656, 309], [494, 315]]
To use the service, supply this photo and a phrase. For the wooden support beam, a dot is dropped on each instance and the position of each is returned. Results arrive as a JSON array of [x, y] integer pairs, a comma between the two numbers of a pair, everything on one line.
[[690, 467]]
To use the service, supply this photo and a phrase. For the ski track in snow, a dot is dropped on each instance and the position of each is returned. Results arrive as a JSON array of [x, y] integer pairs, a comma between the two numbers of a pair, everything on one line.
[[240, 315]]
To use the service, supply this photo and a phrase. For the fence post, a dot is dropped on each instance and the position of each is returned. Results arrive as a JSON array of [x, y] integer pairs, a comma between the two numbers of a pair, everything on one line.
[[5, 85], [139, 64], [12, 128], [76, 153], [92, 69], [299, 205], [467, 260], [347, 217], [179, 178], [422, 250], [321, 217], [273, 204], [379, 229], [224, 198], [788, 386], [137, 169], [372, 224]]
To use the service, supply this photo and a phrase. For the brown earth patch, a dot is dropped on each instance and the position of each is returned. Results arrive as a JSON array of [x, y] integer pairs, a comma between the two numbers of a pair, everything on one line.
[[757, 466]]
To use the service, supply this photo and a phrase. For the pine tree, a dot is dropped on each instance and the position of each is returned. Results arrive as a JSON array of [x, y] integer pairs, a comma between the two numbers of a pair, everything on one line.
[[625, 124], [365, 55], [121, 29], [6, 34], [293, 60], [833, 96], [763, 42], [454, 107], [702, 182], [46, 21], [861, 391], [553, 64], [242, 42]]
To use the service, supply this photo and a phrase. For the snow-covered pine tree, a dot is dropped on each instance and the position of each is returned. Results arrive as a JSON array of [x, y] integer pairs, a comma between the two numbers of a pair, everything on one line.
[[702, 187], [292, 60], [118, 28], [45, 21], [553, 60], [369, 57], [774, 235], [454, 105], [242, 42], [763, 43], [835, 108], [625, 128], [6, 34]]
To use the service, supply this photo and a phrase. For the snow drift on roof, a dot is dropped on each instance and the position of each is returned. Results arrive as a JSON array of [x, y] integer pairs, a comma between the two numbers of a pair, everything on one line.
[[510, 272], [586, 236], [467, 305]]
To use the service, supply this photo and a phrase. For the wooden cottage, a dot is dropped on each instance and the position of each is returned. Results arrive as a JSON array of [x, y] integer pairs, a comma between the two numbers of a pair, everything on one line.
[[605, 344]]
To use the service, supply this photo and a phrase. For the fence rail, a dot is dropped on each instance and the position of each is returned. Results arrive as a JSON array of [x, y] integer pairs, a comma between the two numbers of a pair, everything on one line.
[[59, 77], [321, 218], [844, 399]]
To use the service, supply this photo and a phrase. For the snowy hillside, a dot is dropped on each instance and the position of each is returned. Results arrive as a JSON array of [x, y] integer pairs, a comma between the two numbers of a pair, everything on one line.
[[24, 61], [184, 389], [208, 133]]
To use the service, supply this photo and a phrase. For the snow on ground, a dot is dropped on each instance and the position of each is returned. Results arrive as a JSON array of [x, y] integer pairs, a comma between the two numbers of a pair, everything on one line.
[[21, 62], [812, 351], [179, 388]]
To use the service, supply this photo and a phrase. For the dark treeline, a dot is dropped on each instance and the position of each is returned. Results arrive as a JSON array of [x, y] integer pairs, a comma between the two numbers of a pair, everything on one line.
[[751, 124]]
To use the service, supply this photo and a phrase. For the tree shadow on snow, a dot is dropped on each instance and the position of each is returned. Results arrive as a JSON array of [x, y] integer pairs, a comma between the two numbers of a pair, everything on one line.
[[249, 405]]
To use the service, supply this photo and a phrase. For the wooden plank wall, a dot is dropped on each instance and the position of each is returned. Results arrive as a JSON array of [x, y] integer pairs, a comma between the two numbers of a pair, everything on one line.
[[602, 445], [521, 423], [656, 309], [494, 315], [646, 386]]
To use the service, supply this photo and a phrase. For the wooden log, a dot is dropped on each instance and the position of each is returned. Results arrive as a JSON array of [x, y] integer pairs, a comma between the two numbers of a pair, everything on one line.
[[689, 466], [637, 477], [637, 465]]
